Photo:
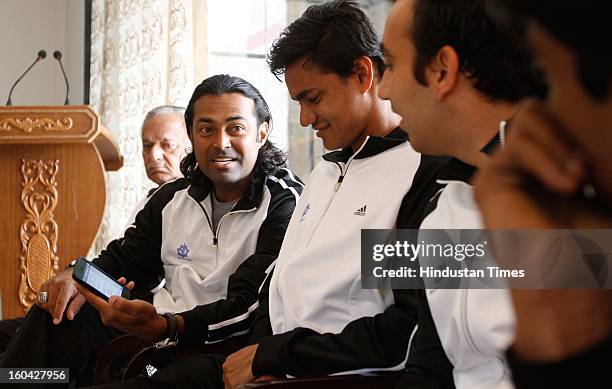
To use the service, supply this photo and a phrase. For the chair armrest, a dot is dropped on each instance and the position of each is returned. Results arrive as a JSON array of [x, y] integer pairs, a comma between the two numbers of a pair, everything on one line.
[[353, 381], [123, 345], [151, 355]]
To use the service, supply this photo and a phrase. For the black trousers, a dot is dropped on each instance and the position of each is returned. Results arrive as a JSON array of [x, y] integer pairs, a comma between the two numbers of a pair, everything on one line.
[[76, 344], [8, 329], [71, 344]]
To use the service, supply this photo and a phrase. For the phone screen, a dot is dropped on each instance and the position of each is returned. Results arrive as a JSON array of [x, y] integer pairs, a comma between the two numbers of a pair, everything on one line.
[[101, 282]]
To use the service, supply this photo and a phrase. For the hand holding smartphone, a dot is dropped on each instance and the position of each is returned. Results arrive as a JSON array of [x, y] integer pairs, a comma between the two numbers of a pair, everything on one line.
[[97, 281]]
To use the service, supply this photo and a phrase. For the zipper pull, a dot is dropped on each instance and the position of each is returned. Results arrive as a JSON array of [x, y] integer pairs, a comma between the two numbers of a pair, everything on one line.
[[339, 182], [215, 240]]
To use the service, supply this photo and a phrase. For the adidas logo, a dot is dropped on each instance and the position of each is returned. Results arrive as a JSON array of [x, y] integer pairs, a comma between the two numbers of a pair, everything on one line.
[[361, 211]]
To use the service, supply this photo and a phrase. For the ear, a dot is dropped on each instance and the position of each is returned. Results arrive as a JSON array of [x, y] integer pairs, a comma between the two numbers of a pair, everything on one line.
[[262, 133], [364, 72], [443, 72]]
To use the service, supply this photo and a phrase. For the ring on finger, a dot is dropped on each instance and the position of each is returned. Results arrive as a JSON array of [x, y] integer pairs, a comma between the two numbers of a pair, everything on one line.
[[43, 297]]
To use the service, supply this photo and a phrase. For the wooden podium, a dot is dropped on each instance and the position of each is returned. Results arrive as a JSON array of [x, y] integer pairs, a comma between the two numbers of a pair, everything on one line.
[[52, 194]]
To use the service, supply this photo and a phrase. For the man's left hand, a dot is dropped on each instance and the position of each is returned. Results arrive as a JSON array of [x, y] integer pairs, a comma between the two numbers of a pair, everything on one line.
[[237, 369], [135, 317]]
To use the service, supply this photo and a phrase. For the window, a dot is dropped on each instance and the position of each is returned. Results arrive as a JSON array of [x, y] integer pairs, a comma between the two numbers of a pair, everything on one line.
[[240, 33]]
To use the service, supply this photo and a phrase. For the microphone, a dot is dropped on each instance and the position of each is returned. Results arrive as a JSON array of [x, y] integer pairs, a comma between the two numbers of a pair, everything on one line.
[[41, 55], [58, 55]]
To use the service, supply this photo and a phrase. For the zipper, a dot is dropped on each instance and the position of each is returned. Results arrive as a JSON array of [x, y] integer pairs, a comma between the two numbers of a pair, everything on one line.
[[343, 171], [209, 223], [466, 330], [339, 182], [216, 233]]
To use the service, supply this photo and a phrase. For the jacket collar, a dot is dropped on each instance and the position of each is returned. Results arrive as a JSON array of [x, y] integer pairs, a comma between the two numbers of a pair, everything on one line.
[[492, 146], [151, 191], [251, 198], [457, 170], [373, 145]]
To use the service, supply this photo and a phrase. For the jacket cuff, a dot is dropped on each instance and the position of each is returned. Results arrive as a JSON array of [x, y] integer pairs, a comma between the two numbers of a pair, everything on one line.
[[271, 352], [195, 330]]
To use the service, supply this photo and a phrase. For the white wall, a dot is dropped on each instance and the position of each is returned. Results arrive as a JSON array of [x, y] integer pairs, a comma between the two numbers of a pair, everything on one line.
[[27, 26], [378, 12]]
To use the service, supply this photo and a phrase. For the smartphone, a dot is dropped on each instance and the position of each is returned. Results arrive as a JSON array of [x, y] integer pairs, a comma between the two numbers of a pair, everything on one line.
[[94, 279]]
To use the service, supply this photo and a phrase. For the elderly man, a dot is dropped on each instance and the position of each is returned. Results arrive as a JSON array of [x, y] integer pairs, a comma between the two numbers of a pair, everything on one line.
[[212, 235], [164, 143]]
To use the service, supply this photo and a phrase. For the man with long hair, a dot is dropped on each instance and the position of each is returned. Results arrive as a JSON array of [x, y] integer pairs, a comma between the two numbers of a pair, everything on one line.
[[212, 235]]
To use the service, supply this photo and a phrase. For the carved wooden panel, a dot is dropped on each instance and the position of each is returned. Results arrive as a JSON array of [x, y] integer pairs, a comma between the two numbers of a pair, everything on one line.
[[28, 124], [36, 125], [50, 211], [39, 230]]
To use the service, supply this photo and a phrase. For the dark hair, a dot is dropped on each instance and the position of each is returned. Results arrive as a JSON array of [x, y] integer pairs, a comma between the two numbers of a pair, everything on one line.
[[583, 26], [269, 159], [332, 36], [495, 57]]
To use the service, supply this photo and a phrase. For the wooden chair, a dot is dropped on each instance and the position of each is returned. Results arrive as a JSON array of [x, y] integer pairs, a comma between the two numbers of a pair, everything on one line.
[[352, 381]]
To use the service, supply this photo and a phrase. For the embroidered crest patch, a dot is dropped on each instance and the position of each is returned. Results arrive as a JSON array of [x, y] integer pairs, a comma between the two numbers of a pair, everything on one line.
[[183, 251]]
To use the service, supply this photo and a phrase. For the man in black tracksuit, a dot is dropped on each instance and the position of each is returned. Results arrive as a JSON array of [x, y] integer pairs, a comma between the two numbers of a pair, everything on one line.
[[211, 235]]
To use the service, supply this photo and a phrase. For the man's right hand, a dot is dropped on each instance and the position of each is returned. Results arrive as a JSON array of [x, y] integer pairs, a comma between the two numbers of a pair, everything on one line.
[[62, 297]]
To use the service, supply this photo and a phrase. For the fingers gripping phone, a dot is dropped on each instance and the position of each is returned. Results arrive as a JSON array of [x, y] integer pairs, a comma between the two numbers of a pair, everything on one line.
[[100, 283]]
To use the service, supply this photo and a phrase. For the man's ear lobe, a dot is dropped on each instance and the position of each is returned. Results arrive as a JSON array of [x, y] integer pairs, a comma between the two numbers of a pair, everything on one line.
[[262, 133]]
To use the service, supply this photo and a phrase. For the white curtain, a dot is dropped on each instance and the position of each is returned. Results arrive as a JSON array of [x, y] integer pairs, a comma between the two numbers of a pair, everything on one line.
[[143, 54]]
